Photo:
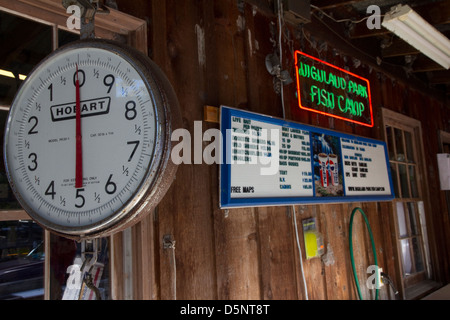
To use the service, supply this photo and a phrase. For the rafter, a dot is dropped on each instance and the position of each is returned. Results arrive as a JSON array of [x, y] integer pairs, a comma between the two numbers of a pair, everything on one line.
[[397, 48], [331, 4]]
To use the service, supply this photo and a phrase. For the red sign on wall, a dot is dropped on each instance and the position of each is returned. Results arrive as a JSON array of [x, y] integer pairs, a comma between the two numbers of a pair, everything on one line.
[[332, 91]]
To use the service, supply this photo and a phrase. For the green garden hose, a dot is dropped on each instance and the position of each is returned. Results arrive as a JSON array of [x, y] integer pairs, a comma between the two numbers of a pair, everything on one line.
[[351, 250]]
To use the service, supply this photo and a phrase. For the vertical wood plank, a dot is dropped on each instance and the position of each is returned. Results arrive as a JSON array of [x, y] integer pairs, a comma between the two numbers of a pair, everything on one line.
[[237, 261], [185, 211], [278, 274], [116, 258], [313, 269], [277, 253], [127, 263], [339, 285], [144, 274], [236, 233]]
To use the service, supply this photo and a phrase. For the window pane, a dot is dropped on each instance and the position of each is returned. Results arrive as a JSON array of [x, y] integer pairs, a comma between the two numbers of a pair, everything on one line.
[[390, 142], [404, 181], [65, 253], [418, 261], [412, 218], [398, 136], [62, 254], [7, 199], [65, 37], [406, 257], [403, 232], [413, 182], [425, 246], [21, 260], [395, 180], [409, 147], [23, 44]]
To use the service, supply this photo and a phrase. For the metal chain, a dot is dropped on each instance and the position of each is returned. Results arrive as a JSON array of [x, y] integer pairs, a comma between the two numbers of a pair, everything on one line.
[[89, 255], [90, 284]]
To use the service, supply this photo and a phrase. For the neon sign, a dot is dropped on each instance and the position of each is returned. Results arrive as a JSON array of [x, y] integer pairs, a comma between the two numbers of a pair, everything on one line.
[[332, 91]]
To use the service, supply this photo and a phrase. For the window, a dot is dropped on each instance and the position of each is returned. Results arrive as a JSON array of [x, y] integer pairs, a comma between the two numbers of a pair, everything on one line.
[[23, 44], [21, 260], [403, 136], [33, 262], [444, 138]]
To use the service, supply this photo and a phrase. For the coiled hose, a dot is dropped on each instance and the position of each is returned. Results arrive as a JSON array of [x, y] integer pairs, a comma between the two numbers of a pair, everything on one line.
[[351, 250]]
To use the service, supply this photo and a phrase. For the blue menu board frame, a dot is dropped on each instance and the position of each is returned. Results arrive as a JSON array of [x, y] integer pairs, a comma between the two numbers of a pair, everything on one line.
[[353, 166]]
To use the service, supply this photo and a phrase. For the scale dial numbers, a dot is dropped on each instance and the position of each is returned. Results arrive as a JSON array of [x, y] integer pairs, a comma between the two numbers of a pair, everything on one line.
[[117, 144]]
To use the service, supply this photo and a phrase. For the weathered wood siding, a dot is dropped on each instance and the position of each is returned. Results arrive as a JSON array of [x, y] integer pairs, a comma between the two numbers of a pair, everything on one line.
[[213, 53]]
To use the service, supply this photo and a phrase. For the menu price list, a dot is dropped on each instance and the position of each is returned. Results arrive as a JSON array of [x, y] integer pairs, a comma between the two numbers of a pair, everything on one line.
[[257, 146], [364, 168]]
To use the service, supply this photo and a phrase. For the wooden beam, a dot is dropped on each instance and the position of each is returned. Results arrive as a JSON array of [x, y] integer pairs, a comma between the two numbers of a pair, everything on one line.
[[263, 6], [9, 215], [330, 4], [44, 11], [424, 64], [360, 30], [435, 12], [18, 39], [440, 77]]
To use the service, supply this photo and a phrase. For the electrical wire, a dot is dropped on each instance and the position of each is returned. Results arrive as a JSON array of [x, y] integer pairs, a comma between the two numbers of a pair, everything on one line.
[[350, 240], [300, 252], [343, 20], [280, 22], [370, 57]]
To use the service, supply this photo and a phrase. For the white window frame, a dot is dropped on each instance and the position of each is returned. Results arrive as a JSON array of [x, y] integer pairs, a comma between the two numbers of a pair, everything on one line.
[[405, 123]]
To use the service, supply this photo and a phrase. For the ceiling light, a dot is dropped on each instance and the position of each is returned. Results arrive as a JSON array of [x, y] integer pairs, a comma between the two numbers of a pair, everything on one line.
[[411, 27], [8, 74]]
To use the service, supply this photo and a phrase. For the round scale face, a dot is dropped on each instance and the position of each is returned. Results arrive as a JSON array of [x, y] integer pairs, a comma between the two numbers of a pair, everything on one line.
[[76, 180]]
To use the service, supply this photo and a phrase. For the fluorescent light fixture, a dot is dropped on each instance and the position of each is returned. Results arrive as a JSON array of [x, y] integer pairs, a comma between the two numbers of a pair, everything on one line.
[[411, 27], [9, 74]]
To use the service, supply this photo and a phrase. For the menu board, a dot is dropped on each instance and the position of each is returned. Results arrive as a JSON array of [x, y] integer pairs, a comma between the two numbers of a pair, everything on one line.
[[332, 91], [269, 161]]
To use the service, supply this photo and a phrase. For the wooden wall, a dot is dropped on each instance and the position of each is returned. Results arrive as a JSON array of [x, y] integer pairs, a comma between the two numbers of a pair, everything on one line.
[[213, 53]]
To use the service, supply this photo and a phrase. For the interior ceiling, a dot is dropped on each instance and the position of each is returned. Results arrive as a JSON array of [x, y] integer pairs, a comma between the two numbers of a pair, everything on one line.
[[383, 45]]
